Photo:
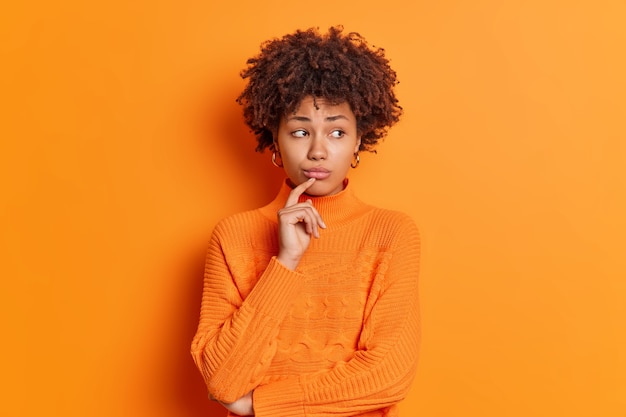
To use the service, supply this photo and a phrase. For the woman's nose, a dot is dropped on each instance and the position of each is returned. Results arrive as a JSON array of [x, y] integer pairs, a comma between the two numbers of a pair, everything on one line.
[[317, 150]]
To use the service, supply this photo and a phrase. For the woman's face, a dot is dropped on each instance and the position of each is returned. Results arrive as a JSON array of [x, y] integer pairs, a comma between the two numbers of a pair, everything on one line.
[[318, 143]]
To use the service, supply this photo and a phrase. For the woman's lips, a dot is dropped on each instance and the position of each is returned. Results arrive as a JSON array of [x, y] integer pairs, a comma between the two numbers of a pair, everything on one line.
[[317, 173]]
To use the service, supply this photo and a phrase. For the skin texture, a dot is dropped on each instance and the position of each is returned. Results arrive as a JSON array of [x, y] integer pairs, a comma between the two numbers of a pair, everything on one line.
[[242, 406], [318, 135], [297, 222], [317, 143]]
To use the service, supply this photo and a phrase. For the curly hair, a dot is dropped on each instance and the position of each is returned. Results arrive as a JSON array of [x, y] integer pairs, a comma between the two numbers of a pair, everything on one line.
[[337, 67]]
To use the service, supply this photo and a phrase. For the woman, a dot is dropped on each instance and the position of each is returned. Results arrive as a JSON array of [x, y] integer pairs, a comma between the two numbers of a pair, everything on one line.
[[310, 303]]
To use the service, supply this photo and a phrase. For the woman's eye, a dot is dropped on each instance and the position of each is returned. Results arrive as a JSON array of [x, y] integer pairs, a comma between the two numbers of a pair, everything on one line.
[[299, 133], [337, 133]]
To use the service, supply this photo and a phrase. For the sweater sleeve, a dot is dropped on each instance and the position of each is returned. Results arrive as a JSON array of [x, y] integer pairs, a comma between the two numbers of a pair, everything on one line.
[[380, 372], [235, 340]]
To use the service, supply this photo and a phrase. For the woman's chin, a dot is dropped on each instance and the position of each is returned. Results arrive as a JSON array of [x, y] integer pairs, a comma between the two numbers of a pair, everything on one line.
[[322, 190]]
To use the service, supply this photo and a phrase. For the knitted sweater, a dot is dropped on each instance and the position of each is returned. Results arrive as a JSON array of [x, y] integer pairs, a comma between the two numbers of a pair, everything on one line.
[[336, 337]]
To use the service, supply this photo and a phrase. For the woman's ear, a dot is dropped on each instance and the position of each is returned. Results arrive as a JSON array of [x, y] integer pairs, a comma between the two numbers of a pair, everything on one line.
[[275, 147], [358, 144]]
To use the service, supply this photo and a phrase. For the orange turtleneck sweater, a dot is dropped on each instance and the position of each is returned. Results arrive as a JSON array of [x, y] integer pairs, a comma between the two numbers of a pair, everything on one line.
[[338, 336]]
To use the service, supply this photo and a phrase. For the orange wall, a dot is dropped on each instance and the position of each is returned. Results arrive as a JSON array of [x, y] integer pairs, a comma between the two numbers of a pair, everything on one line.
[[122, 147]]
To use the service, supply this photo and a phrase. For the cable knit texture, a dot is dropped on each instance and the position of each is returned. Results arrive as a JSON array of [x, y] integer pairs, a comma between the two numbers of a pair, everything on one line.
[[336, 337]]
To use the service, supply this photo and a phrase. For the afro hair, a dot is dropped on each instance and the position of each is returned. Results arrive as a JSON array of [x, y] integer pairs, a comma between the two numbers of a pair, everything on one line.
[[335, 66]]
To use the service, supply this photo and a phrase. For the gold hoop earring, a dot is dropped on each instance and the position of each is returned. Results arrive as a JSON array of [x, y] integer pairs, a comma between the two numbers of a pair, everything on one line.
[[357, 160], [276, 164]]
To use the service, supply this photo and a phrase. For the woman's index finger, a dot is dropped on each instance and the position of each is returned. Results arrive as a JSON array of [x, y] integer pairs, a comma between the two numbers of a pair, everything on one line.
[[297, 192]]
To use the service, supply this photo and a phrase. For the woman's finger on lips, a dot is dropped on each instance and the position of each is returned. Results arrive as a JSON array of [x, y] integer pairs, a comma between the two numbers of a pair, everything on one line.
[[298, 191]]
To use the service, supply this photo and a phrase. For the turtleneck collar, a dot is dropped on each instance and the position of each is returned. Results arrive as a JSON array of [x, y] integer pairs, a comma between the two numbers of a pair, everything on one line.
[[336, 209]]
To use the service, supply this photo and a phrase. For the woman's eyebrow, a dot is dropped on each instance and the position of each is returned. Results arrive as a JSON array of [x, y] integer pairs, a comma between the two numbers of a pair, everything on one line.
[[327, 119], [299, 118], [337, 117]]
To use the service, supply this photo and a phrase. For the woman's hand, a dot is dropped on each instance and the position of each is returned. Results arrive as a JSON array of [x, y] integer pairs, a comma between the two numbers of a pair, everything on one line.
[[241, 407], [297, 222]]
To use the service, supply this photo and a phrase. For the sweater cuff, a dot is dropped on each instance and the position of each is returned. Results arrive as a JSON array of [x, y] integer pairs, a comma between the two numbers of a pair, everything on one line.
[[279, 399], [275, 290]]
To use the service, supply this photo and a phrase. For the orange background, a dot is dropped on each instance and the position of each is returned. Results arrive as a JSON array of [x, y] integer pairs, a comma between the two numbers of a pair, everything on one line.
[[122, 146]]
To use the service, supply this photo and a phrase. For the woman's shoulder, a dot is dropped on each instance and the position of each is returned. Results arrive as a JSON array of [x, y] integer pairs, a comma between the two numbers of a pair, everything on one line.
[[390, 217], [244, 222], [389, 226]]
